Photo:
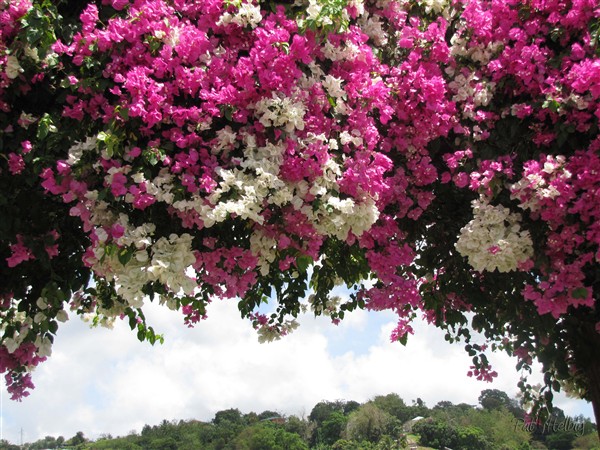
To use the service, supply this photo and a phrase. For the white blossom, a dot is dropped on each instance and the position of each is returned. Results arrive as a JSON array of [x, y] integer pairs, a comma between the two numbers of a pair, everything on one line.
[[494, 239], [41, 303], [77, 150], [533, 187], [44, 346], [39, 317], [247, 14], [12, 68], [372, 26], [281, 111], [268, 333], [313, 10], [435, 6], [264, 248]]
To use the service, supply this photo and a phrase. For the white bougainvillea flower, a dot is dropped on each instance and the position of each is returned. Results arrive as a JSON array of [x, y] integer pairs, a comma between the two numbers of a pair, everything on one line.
[[493, 240]]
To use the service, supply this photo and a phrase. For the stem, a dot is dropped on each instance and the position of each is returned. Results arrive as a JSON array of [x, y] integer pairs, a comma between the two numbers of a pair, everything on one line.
[[593, 377], [594, 390], [585, 343]]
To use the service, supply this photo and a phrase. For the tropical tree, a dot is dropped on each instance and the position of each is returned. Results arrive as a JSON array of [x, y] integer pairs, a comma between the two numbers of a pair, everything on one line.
[[369, 423], [394, 406], [265, 435], [330, 419], [494, 399], [436, 157], [436, 434], [332, 429]]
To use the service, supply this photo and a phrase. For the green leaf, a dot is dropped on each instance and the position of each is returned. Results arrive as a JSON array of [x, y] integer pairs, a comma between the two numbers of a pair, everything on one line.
[[45, 126], [580, 293], [551, 104], [123, 112], [53, 327], [303, 262], [125, 255]]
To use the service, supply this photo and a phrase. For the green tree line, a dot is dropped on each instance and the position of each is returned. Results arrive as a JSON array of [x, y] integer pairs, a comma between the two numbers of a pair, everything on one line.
[[386, 422]]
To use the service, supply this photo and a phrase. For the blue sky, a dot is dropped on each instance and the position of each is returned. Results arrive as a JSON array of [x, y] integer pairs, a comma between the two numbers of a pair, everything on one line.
[[105, 381]]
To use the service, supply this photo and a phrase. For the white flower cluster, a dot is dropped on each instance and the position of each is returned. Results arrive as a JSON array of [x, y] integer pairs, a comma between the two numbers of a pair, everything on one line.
[[42, 304], [314, 11], [24, 328], [268, 333], [23, 325], [333, 86], [336, 216], [264, 248], [436, 6], [471, 87], [281, 111], [540, 186], [226, 140], [171, 258], [494, 239], [43, 345], [161, 186], [256, 180], [372, 26], [246, 15], [478, 54], [99, 318], [166, 260], [348, 51], [12, 69], [79, 148]]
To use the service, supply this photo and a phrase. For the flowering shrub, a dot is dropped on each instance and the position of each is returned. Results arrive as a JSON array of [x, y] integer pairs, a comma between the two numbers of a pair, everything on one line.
[[185, 151]]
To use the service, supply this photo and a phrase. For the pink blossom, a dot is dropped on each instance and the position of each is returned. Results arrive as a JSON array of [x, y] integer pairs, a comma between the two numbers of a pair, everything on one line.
[[19, 253], [26, 146], [16, 164]]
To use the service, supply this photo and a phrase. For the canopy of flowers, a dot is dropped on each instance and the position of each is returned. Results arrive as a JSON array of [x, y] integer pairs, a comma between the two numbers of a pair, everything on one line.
[[434, 156]]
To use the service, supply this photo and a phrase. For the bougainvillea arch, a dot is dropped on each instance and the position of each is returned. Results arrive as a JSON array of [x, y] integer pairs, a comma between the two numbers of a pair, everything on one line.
[[436, 157]]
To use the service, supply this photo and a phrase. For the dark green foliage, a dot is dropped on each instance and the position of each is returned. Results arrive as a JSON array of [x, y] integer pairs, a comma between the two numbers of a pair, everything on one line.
[[5, 445], [330, 419], [79, 438], [437, 434], [47, 442], [266, 435], [369, 423], [301, 427], [472, 437], [394, 406], [229, 415], [322, 410], [493, 399], [562, 440], [345, 444], [332, 428]]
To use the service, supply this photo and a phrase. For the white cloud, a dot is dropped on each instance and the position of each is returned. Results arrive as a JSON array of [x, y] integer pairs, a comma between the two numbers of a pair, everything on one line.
[[102, 381]]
